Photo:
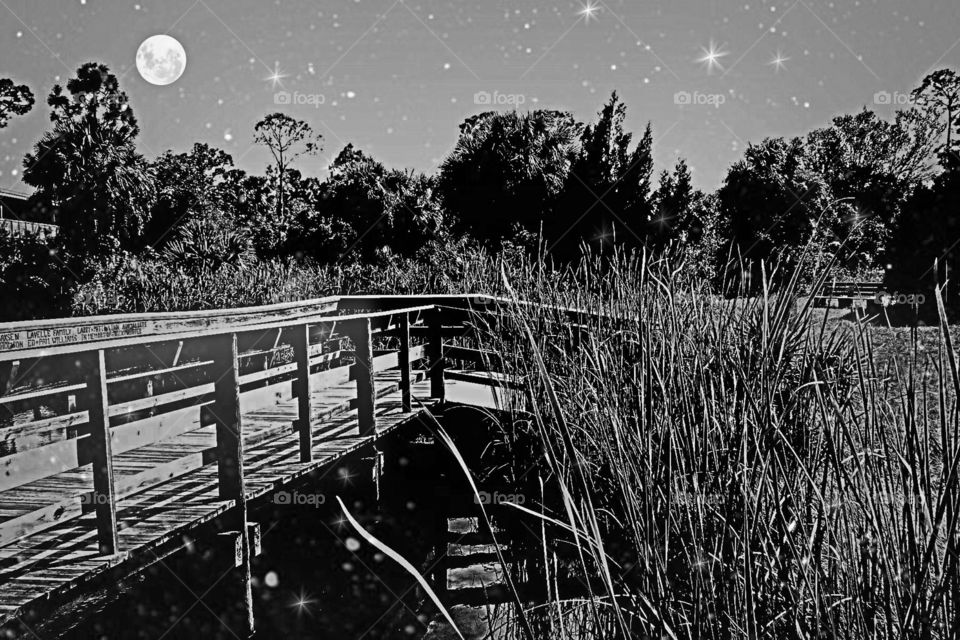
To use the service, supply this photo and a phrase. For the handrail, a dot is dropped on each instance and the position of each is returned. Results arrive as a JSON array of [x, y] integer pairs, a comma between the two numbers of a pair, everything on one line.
[[80, 345]]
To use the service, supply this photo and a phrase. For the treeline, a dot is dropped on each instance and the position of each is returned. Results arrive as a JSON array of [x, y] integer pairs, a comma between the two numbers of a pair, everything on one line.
[[878, 193]]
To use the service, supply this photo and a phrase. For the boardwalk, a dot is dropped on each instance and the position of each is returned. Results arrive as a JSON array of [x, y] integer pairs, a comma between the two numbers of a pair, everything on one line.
[[123, 439]]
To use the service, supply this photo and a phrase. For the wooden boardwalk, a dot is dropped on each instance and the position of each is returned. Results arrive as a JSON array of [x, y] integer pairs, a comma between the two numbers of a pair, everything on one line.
[[63, 557], [124, 439]]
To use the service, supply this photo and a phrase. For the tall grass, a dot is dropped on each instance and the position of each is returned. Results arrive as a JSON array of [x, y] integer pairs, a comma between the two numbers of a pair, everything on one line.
[[709, 467]]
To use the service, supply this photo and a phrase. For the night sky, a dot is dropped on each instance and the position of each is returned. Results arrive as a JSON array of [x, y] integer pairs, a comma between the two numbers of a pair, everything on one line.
[[396, 78]]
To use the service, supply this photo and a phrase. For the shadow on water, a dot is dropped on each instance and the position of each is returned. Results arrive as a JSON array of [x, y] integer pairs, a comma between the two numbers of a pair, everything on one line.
[[315, 577]]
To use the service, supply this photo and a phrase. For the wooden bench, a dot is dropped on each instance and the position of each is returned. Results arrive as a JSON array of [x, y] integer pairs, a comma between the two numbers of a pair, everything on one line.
[[847, 293]]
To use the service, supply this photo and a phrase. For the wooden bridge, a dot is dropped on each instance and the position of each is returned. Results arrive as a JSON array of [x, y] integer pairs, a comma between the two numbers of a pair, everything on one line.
[[122, 437]]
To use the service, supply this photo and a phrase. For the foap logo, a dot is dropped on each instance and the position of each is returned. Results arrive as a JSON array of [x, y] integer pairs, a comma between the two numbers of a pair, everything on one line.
[[485, 497], [497, 99], [897, 98], [296, 498], [94, 499], [699, 99], [480, 300], [890, 299], [296, 98]]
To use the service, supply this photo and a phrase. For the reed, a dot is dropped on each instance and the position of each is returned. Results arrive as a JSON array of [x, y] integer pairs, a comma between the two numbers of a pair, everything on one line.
[[709, 466]]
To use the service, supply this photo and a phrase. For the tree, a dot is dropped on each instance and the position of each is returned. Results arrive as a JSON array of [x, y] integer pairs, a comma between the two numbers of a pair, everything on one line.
[[904, 148], [287, 139], [87, 170], [635, 184], [366, 209], [609, 186], [508, 171], [777, 206], [190, 185], [15, 100], [940, 91], [875, 165], [673, 203], [925, 250]]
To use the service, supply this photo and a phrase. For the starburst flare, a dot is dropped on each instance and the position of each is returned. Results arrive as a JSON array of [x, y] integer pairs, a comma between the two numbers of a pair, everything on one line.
[[778, 62], [711, 57], [589, 11]]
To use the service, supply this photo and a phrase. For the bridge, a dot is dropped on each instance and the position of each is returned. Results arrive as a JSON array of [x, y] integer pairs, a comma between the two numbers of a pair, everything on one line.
[[123, 438]]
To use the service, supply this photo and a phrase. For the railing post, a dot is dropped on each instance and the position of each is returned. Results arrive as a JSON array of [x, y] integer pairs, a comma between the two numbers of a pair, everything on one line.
[[301, 353], [436, 354], [226, 417], [104, 494], [363, 370], [403, 356], [230, 481]]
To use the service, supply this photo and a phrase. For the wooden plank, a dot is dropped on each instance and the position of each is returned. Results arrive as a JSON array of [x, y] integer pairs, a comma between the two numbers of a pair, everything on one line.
[[40, 393]]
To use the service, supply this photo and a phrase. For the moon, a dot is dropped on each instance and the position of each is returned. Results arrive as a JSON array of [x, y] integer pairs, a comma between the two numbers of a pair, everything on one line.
[[161, 60]]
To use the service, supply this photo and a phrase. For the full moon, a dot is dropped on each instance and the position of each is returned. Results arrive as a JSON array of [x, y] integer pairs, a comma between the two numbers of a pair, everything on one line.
[[161, 60]]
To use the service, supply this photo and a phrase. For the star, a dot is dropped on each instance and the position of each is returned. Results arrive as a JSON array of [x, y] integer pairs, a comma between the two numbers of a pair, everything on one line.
[[711, 57], [302, 603], [588, 11], [276, 76], [778, 62]]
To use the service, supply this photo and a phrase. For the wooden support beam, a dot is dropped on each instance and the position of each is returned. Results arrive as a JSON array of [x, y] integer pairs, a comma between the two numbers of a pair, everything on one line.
[[230, 481], [104, 494], [440, 525], [404, 362], [225, 412], [301, 387], [436, 365], [363, 369]]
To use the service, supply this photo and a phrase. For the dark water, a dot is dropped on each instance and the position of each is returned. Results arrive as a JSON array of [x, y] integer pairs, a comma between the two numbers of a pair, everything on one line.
[[316, 577]]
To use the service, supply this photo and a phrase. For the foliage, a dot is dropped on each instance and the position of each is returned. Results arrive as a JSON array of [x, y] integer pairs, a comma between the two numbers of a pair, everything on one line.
[[519, 183], [209, 244], [32, 278], [508, 172], [15, 100], [87, 170], [189, 186], [673, 203], [607, 195], [925, 252], [363, 210], [778, 206], [940, 92]]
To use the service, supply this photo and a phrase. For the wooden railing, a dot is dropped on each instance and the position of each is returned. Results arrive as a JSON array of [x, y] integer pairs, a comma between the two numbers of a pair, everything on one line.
[[80, 392], [77, 393]]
